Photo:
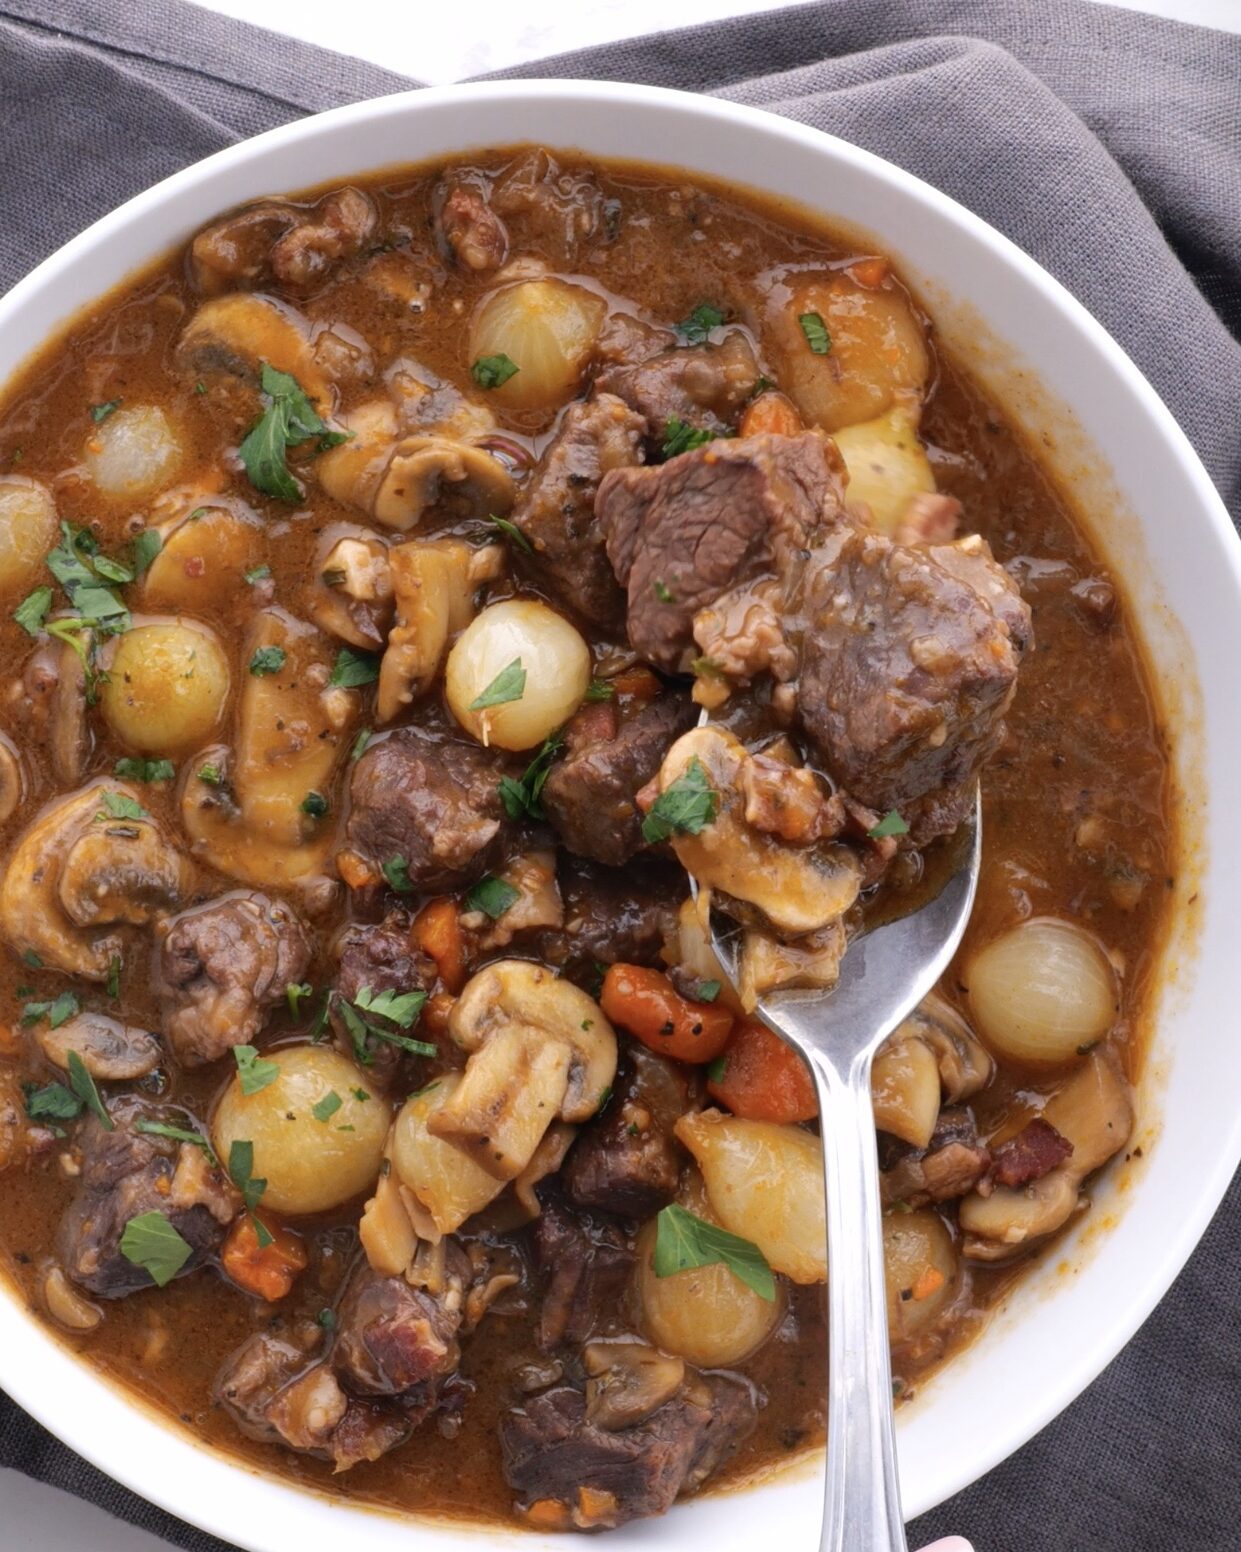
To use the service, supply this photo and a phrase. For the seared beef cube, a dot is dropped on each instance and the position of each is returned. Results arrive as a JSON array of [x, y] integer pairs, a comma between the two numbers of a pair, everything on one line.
[[613, 915], [554, 211], [556, 509], [909, 661], [220, 969], [589, 795], [627, 1161], [1034, 1152], [468, 229], [703, 385], [950, 1165], [379, 958], [126, 1173], [554, 1453], [681, 535], [434, 804], [396, 1340], [587, 1262], [282, 243]]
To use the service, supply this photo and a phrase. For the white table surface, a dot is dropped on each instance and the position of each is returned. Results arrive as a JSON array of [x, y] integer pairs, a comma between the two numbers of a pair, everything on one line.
[[405, 39]]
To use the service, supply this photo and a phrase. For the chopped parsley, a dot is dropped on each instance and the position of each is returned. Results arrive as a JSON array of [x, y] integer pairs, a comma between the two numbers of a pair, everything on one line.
[[600, 690], [717, 1069], [65, 1007], [492, 896], [360, 743], [241, 1173], [100, 412], [402, 1008], [353, 669], [680, 437], [708, 991], [83, 1085], [663, 592], [683, 1241], [362, 1031], [210, 774], [289, 420], [254, 1071], [147, 546], [511, 531], [130, 769], [685, 807], [324, 1109], [315, 804], [151, 1242], [52, 1102], [327, 1319], [33, 610], [119, 806], [267, 660], [522, 797], [508, 685], [177, 1134], [256, 574], [696, 329], [890, 824], [815, 330], [115, 965], [493, 371], [294, 993], [396, 871]]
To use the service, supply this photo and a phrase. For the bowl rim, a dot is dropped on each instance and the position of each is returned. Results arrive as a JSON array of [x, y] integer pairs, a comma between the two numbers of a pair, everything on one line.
[[24, 1378]]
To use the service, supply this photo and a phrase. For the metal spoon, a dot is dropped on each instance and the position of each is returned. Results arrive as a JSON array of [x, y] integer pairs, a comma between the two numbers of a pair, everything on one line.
[[884, 976]]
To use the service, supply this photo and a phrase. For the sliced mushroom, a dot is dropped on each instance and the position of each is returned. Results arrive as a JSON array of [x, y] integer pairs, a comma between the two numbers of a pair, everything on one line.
[[352, 595], [934, 1056], [434, 581], [798, 889], [540, 1050], [209, 542], [767, 963], [66, 1306], [111, 1051], [12, 779], [76, 872], [293, 730], [69, 734], [965, 1064], [1094, 1110], [628, 1382]]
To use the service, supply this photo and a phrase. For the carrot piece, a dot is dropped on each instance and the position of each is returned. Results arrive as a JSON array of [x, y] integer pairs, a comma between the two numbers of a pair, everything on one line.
[[356, 873], [548, 1514], [437, 931], [869, 272], [763, 1079], [266, 1270], [640, 684], [930, 1280], [434, 1019], [646, 1003], [771, 412]]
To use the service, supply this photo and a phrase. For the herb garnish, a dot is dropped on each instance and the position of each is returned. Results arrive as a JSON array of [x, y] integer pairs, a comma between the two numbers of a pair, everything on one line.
[[100, 412], [401, 1008], [267, 660], [815, 330], [130, 769], [600, 690], [294, 992], [492, 896], [52, 1102], [177, 1134], [254, 1071], [493, 371], [210, 774], [257, 574], [522, 797], [717, 1069], [33, 610], [695, 329], [151, 1242], [353, 669], [708, 991], [315, 805], [83, 1085], [890, 824], [508, 685], [685, 807], [396, 871], [65, 1007], [289, 420], [511, 531], [119, 805], [680, 437], [683, 1241], [324, 1109], [359, 744], [115, 965], [663, 592]]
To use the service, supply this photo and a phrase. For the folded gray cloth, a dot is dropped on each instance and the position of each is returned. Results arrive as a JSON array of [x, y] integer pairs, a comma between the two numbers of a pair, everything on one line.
[[1108, 145]]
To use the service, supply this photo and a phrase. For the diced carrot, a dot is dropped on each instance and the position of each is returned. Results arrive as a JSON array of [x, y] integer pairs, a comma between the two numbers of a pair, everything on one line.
[[435, 1015], [268, 1270], [437, 931], [646, 1003], [869, 272], [763, 1079], [930, 1280], [548, 1514], [356, 873], [639, 684], [595, 1507], [773, 413]]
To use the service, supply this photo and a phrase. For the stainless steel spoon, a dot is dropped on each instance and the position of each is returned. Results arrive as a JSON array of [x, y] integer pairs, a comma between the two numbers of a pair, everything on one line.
[[884, 976]]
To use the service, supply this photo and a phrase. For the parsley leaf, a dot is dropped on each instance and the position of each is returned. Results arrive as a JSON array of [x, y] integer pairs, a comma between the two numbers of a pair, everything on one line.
[[508, 685], [83, 1085], [147, 546], [294, 992], [522, 797], [267, 660], [890, 824], [210, 774], [241, 1173], [663, 592], [99, 412], [679, 437], [130, 769], [353, 669], [686, 807], [683, 1241], [717, 1069], [65, 1007], [119, 806], [33, 610], [396, 871], [315, 805], [493, 371], [254, 1070], [815, 330], [151, 1242], [257, 574], [511, 531], [492, 896], [708, 991], [402, 1008], [176, 1134], [600, 690], [362, 1032], [324, 1109], [359, 744], [695, 329], [52, 1102], [289, 420], [115, 965]]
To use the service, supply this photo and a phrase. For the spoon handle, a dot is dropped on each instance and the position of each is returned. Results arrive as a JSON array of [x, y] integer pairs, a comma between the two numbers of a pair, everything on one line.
[[863, 1505]]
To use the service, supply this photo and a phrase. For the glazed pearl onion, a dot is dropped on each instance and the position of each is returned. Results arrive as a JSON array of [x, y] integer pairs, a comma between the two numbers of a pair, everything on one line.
[[510, 640], [1041, 991]]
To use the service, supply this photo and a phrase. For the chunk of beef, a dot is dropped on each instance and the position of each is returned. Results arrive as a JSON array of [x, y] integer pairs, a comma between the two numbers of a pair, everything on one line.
[[701, 385], [554, 1454], [627, 1160], [553, 210], [433, 802], [126, 1173], [681, 535], [294, 246], [1034, 1152], [908, 663], [929, 519], [396, 1340], [556, 508], [277, 1392], [221, 967], [950, 1166], [586, 1261], [613, 914], [467, 227], [589, 794], [379, 958]]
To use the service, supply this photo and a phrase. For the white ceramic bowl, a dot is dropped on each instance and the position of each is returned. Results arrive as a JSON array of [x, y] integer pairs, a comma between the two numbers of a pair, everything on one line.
[[1165, 533]]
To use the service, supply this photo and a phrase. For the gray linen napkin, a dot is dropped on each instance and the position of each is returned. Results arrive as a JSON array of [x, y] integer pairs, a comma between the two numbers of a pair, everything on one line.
[[1108, 145]]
